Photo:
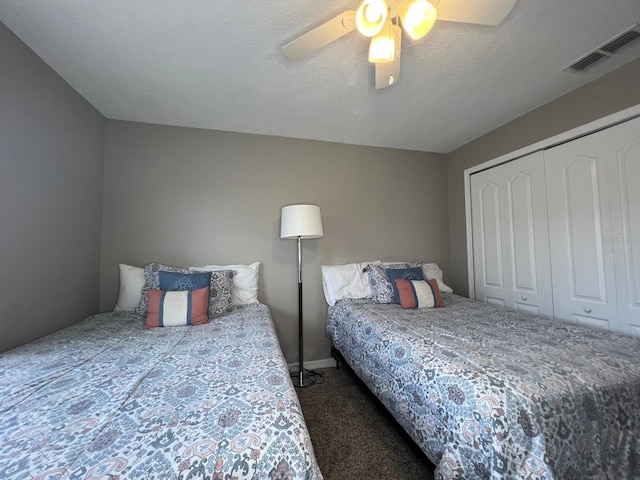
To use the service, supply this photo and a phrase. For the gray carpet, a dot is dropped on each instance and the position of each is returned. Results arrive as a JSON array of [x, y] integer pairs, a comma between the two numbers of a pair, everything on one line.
[[353, 437]]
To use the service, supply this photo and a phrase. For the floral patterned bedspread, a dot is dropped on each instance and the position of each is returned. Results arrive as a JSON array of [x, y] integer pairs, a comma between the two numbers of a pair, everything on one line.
[[489, 393], [105, 399]]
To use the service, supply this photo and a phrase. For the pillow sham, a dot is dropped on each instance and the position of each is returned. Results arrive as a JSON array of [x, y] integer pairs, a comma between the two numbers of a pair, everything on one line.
[[220, 287], [220, 292], [432, 271], [419, 294], [413, 273], [177, 308], [349, 281], [245, 281], [131, 283], [381, 289]]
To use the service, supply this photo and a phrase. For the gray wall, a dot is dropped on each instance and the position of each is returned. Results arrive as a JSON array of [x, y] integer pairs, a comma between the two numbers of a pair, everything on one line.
[[51, 171], [189, 197], [609, 94]]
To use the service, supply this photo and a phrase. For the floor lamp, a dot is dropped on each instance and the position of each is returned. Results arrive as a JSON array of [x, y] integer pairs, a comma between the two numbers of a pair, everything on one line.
[[301, 221]]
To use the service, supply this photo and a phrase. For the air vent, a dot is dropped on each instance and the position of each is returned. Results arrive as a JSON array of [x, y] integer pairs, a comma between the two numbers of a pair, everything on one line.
[[606, 50], [620, 41], [585, 62]]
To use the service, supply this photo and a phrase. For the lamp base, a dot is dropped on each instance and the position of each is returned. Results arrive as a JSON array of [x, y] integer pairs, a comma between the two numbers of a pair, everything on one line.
[[309, 377]]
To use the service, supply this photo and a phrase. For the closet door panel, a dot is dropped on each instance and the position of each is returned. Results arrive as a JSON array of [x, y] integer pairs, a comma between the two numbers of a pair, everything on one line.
[[579, 226], [527, 234], [626, 240], [521, 232], [487, 239], [584, 230]]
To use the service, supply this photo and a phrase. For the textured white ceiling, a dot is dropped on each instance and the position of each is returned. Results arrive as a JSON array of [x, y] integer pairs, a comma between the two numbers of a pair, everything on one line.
[[217, 64]]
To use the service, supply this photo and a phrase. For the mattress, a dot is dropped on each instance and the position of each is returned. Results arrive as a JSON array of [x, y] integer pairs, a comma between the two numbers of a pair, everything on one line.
[[487, 392], [106, 399]]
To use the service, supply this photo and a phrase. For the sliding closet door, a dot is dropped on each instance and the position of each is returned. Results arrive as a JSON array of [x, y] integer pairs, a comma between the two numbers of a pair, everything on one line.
[[625, 198], [527, 234], [581, 232], [510, 237], [490, 250]]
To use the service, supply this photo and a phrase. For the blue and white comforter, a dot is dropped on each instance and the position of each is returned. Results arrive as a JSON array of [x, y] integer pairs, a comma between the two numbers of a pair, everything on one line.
[[105, 399], [489, 393]]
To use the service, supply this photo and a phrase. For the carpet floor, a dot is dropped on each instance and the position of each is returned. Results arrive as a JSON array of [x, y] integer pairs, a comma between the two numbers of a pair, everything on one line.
[[353, 436]]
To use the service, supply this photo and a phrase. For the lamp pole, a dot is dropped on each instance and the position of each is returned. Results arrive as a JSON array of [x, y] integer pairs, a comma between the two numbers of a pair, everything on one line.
[[300, 336]]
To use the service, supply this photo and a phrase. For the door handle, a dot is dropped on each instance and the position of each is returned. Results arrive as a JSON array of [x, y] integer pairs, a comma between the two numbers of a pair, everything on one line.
[[587, 309], [524, 297]]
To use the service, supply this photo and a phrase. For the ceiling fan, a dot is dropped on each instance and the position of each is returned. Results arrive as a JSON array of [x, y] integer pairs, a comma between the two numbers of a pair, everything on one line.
[[384, 20]]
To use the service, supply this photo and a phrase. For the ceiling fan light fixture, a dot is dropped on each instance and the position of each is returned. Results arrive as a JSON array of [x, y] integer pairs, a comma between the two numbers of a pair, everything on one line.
[[417, 16], [371, 17], [383, 46]]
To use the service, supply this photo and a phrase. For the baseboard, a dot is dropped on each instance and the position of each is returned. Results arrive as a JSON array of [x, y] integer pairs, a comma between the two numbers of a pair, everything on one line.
[[313, 364]]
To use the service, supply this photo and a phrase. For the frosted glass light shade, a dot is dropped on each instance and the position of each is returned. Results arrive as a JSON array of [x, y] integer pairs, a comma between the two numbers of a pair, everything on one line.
[[417, 16], [370, 16], [384, 45], [303, 221]]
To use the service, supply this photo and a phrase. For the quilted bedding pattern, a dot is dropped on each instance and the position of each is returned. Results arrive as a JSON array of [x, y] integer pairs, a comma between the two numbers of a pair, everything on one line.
[[105, 399], [489, 393]]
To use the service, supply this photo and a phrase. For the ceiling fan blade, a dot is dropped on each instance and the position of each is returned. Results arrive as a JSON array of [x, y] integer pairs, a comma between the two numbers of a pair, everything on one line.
[[388, 73], [321, 36], [481, 12]]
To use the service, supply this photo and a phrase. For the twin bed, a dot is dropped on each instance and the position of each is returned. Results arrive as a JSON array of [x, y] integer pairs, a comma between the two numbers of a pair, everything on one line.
[[107, 399], [489, 393]]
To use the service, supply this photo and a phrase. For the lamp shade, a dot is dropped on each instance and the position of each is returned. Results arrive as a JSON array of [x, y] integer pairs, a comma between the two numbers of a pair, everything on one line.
[[418, 16], [302, 221], [370, 16], [384, 45]]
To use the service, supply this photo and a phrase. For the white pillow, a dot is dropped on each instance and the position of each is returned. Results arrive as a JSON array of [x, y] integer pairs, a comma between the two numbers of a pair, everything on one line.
[[345, 281], [431, 271], [131, 283], [245, 281]]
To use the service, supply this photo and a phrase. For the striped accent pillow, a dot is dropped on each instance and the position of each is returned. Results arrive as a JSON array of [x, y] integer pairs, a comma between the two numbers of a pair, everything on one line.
[[177, 308], [419, 293]]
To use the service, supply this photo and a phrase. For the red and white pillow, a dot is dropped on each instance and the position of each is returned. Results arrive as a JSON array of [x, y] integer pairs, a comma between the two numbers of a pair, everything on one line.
[[419, 293], [177, 308]]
